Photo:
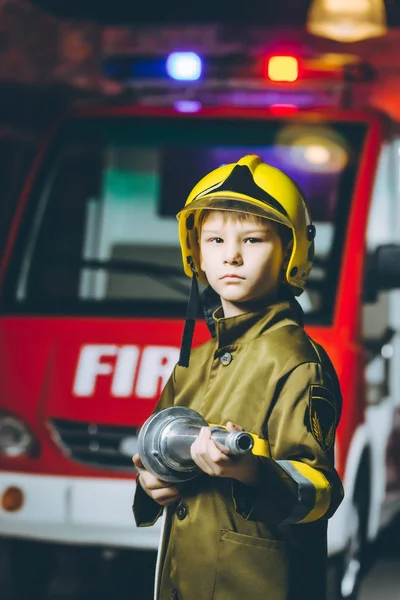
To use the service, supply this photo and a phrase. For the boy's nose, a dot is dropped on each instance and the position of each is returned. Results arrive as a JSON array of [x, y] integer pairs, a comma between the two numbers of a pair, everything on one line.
[[233, 257]]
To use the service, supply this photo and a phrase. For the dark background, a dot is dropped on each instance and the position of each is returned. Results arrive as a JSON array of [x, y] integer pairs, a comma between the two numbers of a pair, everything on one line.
[[272, 13]]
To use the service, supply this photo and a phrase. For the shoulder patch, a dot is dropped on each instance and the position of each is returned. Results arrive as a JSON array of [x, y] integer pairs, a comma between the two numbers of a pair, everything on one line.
[[322, 415]]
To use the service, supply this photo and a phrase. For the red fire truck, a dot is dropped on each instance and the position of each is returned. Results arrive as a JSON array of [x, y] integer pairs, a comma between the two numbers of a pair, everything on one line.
[[93, 298]]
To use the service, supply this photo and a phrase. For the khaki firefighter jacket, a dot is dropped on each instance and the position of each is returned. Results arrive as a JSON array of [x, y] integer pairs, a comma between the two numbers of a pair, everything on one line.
[[228, 541]]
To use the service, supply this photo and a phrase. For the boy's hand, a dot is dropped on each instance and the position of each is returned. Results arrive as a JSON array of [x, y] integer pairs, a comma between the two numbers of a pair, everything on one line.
[[158, 490], [213, 459]]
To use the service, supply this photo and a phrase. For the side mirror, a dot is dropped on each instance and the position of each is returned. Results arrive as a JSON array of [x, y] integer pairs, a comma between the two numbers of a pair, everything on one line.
[[382, 271]]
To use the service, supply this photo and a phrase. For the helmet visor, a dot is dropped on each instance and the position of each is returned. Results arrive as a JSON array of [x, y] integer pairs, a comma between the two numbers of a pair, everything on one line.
[[232, 204]]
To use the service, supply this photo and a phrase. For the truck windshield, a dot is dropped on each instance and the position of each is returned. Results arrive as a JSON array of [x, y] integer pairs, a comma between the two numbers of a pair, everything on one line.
[[99, 236]]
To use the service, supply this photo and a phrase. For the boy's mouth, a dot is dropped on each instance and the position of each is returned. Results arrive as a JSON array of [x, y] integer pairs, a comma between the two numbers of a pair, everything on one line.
[[231, 276]]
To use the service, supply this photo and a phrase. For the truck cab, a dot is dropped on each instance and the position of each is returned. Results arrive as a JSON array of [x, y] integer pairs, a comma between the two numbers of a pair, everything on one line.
[[93, 300]]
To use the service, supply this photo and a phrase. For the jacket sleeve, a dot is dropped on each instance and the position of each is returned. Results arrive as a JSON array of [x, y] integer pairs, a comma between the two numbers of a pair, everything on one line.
[[145, 510], [298, 482]]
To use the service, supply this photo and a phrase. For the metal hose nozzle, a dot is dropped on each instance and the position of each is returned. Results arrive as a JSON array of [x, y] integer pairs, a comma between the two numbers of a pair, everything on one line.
[[166, 438]]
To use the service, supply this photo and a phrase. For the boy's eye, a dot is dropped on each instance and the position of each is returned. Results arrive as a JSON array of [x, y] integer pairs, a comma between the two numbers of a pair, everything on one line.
[[252, 240], [217, 240]]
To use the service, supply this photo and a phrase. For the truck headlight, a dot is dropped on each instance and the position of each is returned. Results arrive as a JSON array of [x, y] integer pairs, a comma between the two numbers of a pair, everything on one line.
[[15, 437]]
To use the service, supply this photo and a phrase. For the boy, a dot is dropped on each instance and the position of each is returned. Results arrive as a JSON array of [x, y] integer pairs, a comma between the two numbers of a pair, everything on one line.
[[256, 527]]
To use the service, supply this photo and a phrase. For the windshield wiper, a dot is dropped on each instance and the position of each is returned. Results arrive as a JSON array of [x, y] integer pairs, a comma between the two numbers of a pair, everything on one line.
[[152, 270]]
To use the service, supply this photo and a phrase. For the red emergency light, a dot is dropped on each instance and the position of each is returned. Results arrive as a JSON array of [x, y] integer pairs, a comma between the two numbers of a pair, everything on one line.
[[282, 68], [286, 69]]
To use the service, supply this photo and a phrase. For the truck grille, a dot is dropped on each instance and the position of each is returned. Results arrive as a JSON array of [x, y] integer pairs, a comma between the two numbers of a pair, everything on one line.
[[106, 446]]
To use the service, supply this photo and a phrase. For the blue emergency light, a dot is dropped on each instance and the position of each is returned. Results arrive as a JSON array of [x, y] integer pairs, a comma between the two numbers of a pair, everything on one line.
[[187, 106], [184, 66]]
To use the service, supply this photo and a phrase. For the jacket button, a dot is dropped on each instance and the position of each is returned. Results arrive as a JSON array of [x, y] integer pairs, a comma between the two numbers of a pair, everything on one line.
[[225, 359], [174, 595], [181, 512]]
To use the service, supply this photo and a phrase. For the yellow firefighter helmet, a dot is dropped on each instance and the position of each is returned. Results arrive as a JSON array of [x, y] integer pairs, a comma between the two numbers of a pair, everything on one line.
[[250, 186]]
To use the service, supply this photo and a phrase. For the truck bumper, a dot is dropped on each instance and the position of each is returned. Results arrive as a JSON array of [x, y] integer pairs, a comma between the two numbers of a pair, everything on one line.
[[75, 510], [92, 511]]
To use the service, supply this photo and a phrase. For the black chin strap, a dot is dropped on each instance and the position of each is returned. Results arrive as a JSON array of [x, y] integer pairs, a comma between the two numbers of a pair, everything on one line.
[[210, 301], [191, 314]]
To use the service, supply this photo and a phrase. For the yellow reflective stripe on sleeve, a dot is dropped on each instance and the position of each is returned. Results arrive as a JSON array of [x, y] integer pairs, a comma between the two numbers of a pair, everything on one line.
[[322, 490], [260, 448]]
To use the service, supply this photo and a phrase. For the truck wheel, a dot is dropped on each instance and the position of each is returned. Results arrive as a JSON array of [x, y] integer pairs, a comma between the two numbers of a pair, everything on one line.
[[6, 578], [349, 567], [23, 569]]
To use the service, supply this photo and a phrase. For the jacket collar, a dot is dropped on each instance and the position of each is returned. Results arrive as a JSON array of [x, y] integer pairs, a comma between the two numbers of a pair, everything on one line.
[[248, 326]]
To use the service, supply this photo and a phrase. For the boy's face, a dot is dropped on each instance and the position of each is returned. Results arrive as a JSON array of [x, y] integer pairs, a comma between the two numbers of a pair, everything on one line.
[[243, 260]]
